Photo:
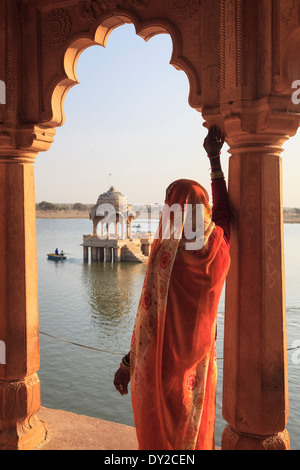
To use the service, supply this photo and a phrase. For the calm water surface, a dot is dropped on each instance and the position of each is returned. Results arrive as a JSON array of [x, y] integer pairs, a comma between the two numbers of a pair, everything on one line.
[[95, 305]]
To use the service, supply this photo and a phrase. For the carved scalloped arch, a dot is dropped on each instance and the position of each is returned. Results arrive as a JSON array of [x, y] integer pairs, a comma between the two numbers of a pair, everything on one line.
[[99, 36]]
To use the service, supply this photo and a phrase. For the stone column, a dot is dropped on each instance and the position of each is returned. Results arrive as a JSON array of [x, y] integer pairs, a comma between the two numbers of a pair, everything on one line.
[[129, 229], [124, 229], [101, 253], [117, 255], [19, 325], [146, 249], [95, 225], [94, 253], [85, 253], [255, 388], [107, 254]]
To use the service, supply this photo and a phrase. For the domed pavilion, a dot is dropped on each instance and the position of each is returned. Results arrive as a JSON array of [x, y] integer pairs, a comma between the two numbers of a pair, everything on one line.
[[112, 208], [114, 240]]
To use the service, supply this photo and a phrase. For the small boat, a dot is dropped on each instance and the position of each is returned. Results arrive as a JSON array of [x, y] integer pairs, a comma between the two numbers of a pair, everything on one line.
[[55, 257]]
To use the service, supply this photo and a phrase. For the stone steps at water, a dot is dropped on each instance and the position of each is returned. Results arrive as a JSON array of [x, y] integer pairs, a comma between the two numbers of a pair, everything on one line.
[[133, 254]]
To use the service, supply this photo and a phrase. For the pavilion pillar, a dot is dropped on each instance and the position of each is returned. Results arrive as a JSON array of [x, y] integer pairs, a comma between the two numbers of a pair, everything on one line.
[[94, 253], [255, 387], [124, 229], [108, 256], [85, 253], [20, 429], [101, 254], [95, 224], [129, 229], [117, 254]]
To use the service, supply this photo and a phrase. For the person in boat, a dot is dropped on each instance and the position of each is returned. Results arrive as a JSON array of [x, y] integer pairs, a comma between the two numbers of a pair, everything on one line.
[[56, 251], [172, 361], [62, 253]]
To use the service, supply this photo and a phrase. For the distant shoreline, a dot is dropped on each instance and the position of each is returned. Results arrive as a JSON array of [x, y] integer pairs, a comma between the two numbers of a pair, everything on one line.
[[72, 214], [291, 220], [61, 214]]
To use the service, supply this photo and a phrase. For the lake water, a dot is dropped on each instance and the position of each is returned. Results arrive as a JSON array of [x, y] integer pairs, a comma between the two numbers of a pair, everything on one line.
[[95, 305]]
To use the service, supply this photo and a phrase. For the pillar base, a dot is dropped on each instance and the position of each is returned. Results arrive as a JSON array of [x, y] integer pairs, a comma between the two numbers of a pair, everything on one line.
[[20, 428], [24, 438], [231, 440]]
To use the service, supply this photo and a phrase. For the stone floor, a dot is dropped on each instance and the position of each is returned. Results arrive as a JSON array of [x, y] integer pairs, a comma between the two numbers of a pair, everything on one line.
[[69, 431]]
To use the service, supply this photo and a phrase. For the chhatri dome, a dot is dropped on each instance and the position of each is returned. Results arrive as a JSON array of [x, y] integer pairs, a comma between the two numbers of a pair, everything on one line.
[[115, 198], [123, 215]]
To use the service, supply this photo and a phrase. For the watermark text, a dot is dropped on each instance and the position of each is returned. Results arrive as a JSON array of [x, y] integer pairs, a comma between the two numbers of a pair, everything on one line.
[[177, 222], [2, 92], [296, 94], [2, 353]]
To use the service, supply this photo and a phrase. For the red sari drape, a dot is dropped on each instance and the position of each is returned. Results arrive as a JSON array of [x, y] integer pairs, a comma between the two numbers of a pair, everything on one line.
[[172, 356]]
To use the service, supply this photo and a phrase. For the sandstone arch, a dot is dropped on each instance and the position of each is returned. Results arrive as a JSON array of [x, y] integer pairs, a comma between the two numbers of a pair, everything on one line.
[[239, 81], [99, 36]]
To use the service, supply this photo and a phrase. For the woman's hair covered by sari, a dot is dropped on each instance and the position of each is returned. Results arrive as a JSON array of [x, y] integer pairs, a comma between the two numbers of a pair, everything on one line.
[[172, 356]]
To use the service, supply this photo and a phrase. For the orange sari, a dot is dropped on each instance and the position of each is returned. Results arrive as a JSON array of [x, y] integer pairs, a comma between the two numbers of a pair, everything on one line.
[[172, 356]]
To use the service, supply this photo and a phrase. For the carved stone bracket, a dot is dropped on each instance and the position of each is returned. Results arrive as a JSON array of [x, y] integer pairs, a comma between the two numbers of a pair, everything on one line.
[[25, 142], [261, 131], [257, 126]]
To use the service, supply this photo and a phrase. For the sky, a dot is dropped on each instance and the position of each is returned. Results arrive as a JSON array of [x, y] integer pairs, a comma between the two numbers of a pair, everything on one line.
[[129, 125]]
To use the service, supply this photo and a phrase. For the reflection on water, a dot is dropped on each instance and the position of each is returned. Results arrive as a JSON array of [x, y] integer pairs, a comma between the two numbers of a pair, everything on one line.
[[95, 305], [89, 304], [110, 290]]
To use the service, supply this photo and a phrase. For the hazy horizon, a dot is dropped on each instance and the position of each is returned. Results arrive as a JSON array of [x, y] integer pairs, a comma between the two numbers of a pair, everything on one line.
[[132, 203], [130, 117]]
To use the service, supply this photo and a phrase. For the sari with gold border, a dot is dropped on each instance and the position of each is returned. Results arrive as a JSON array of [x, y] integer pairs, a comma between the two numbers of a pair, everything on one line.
[[173, 356]]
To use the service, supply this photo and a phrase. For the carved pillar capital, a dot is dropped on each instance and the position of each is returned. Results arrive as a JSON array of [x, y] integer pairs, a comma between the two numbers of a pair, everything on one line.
[[24, 143], [258, 129], [252, 127]]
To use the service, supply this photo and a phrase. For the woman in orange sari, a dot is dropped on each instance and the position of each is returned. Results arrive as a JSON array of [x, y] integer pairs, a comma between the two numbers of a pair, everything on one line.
[[172, 360]]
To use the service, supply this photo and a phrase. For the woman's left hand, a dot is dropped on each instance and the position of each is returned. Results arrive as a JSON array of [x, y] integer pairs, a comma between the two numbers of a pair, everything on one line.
[[121, 381]]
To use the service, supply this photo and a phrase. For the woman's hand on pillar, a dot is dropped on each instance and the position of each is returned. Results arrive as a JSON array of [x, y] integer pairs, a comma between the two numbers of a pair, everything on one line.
[[214, 142]]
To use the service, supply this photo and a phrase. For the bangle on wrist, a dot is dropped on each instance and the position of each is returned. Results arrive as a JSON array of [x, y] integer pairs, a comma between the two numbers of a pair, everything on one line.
[[125, 361], [217, 175], [216, 156], [125, 367]]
